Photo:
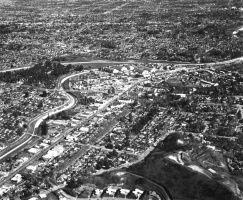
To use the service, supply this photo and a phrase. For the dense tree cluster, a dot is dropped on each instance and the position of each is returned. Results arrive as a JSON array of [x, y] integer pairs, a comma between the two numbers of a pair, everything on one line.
[[137, 127], [82, 99], [108, 44], [43, 129], [39, 75], [6, 29]]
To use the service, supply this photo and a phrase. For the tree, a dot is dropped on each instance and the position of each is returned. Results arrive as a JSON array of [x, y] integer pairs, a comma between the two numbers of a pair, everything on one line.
[[40, 104], [26, 94], [239, 115], [79, 68], [109, 146], [114, 152], [108, 44], [19, 131], [44, 94], [130, 117], [43, 128]]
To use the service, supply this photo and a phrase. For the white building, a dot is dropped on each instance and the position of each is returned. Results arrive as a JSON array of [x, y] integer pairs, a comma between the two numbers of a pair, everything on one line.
[[124, 192], [111, 191], [137, 193], [17, 178]]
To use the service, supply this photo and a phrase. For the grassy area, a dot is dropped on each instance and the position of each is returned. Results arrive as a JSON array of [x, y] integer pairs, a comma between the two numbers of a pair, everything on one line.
[[187, 179]]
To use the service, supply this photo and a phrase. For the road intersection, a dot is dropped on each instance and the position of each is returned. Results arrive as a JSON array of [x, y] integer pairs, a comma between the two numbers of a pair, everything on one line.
[[34, 125], [29, 137]]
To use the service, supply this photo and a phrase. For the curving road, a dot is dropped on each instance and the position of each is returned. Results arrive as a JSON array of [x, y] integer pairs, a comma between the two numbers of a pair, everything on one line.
[[30, 136], [154, 61], [38, 121], [15, 69], [162, 191]]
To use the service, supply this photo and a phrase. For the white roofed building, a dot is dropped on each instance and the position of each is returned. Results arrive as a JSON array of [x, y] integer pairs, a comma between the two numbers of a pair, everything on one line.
[[137, 192]]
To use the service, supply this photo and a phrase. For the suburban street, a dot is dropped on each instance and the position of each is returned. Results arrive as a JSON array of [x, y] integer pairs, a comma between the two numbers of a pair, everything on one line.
[[105, 100], [29, 137], [37, 120]]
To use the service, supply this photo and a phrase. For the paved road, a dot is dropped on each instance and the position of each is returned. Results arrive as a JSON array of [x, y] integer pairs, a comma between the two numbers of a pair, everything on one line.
[[101, 134], [39, 120], [134, 61], [116, 8], [153, 61], [123, 62], [161, 191], [147, 183], [140, 158], [15, 69], [33, 125]]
